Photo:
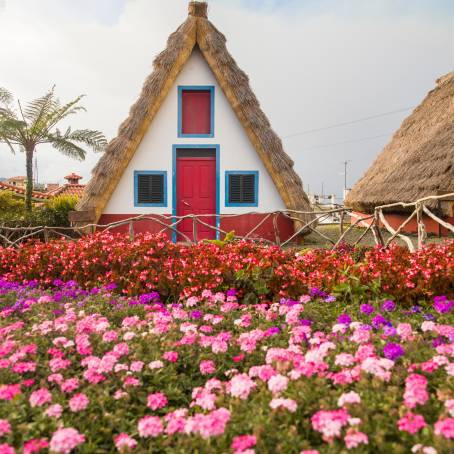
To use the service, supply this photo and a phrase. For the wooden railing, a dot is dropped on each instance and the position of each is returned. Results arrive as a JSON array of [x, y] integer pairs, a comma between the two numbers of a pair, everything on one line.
[[375, 223]]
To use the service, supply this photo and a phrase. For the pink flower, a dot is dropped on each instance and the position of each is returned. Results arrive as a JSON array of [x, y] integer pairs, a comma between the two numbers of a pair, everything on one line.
[[124, 443], [330, 422], [415, 391], [156, 365], [277, 384], [349, 398], [40, 397], [54, 411], [207, 367], [354, 438], [240, 386], [445, 427], [65, 440], [289, 404], [150, 426], [310, 451], [56, 364], [8, 392], [69, 385], [5, 427], [136, 366], [78, 402], [411, 423], [6, 449], [156, 400], [243, 442], [449, 405], [171, 356], [35, 445]]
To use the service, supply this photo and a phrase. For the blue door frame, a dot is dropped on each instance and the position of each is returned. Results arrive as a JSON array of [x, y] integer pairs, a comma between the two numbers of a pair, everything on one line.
[[176, 147]]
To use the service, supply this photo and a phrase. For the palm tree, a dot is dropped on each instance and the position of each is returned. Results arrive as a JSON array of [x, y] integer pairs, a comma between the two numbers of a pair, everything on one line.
[[35, 124]]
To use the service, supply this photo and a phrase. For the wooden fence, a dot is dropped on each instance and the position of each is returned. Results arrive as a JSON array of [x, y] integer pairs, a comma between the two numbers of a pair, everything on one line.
[[375, 223]]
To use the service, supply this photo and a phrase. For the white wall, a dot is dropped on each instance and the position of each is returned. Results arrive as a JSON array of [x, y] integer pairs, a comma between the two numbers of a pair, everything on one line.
[[155, 150]]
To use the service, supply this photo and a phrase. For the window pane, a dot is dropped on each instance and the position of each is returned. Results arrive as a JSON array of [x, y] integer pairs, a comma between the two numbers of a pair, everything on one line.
[[196, 112], [150, 188], [242, 188]]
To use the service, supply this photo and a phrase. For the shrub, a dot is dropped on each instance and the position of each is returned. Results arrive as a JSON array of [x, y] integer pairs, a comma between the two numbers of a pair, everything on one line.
[[150, 262], [104, 373]]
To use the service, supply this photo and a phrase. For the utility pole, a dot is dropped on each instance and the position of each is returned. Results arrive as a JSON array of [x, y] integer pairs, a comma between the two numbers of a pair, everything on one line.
[[345, 173]]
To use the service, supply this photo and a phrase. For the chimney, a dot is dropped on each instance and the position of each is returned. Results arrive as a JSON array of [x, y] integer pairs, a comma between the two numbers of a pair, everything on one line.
[[73, 178], [198, 9]]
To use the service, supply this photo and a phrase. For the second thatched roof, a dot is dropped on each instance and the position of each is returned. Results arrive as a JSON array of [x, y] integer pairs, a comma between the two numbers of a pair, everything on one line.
[[197, 30], [419, 160]]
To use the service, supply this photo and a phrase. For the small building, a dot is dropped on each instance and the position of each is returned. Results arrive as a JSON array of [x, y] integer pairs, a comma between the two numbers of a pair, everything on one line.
[[19, 182], [73, 187], [196, 142], [417, 163]]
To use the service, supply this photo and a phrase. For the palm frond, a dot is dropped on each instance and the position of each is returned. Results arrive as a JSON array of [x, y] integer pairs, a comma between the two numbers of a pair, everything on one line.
[[66, 146], [63, 111], [5, 96], [93, 139], [37, 111]]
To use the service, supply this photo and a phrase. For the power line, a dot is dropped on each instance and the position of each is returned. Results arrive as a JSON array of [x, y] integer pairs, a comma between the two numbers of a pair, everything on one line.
[[346, 123], [346, 142]]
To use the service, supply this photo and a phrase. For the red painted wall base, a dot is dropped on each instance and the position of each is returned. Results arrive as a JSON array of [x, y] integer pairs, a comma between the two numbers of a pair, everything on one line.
[[396, 220], [241, 225]]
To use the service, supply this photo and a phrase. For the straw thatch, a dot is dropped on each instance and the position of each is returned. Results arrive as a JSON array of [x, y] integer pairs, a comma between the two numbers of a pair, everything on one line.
[[197, 30], [419, 160]]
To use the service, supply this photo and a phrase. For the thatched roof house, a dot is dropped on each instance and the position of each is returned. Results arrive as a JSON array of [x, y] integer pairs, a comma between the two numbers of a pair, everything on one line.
[[419, 160], [196, 35]]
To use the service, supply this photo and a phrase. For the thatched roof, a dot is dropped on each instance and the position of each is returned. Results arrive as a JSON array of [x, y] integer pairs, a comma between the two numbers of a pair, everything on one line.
[[419, 160], [197, 30]]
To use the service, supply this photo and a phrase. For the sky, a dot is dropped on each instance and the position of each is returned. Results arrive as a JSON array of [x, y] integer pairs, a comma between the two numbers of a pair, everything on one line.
[[312, 64]]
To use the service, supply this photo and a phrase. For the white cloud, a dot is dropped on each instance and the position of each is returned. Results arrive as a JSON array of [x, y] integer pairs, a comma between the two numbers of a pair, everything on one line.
[[311, 64]]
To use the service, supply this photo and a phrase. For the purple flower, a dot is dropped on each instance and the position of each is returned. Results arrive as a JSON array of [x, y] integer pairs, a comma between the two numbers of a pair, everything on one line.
[[393, 351], [378, 321], [231, 292], [344, 319], [416, 309], [389, 331], [388, 306], [110, 287], [438, 341], [367, 309], [442, 305], [330, 299], [196, 314], [429, 317], [148, 297], [273, 331], [305, 322]]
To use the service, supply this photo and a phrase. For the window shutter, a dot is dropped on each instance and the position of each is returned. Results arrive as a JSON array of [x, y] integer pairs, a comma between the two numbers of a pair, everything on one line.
[[242, 188], [150, 188]]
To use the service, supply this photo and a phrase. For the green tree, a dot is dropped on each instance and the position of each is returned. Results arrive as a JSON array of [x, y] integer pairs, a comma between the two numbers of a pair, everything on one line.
[[36, 123]]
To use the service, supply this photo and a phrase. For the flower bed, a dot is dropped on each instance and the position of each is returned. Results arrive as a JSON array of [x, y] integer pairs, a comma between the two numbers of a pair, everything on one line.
[[152, 263], [91, 371]]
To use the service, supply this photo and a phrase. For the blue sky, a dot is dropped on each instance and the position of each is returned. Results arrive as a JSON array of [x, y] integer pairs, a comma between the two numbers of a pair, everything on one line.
[[312, 63]]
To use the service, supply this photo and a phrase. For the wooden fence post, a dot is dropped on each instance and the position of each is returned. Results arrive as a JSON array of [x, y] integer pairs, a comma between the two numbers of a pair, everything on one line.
[[194, 229], [422, 234], [131, 231]]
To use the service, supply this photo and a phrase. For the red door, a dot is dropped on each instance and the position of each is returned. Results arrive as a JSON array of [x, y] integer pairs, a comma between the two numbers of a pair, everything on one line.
[[196, 194]]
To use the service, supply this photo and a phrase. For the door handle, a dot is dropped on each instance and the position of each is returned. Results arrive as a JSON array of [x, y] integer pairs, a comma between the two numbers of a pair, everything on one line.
[[186, 203]]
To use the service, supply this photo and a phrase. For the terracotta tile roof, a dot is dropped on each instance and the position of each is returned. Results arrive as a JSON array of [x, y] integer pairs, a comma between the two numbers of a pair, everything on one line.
[[21, 191], [68, 189], [73, 176]]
